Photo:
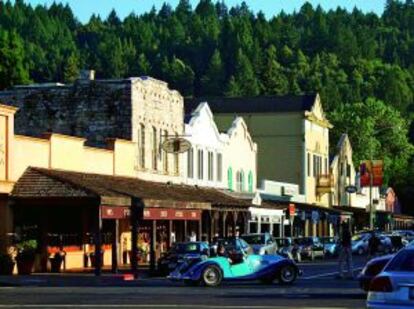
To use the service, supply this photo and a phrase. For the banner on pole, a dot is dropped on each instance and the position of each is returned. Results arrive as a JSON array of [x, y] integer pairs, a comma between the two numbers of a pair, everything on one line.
[[368, 167]]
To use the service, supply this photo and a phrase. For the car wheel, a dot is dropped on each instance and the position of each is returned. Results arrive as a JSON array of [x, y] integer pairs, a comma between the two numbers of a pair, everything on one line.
[[287, 274], [211, 276], [360, 251]]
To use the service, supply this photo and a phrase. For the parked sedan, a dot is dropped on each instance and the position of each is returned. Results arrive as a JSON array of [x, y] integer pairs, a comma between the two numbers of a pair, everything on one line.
[[372, 269], [261, 243], [394, 286], [179, 252], [360, 243], [330, 246], [310, 247]]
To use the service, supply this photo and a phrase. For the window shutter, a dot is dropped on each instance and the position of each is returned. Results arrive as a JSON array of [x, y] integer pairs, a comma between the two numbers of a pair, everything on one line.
[[250, 179], [230, 178]]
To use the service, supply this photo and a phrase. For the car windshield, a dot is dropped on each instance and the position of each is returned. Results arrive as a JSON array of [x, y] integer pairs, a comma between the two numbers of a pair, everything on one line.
[[254, 239], [403, 261], [238, 245], [186, 248]]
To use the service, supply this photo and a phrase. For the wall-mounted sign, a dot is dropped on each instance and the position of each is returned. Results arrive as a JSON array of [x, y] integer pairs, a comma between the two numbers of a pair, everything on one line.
[[115, 212], [292, 209], [368, 167], [351, 189], [171, 214], [176, 145], [289, 190]]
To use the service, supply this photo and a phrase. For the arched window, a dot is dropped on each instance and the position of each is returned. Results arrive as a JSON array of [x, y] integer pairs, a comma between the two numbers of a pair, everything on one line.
[[250, 181], [230, 178], [190, 163]]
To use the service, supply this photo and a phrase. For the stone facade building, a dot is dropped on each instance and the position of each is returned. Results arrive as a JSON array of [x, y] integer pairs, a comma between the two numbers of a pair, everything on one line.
[[140, 109]]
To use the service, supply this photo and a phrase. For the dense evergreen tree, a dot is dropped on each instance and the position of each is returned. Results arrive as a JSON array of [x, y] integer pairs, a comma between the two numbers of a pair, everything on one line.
[[348, 57]]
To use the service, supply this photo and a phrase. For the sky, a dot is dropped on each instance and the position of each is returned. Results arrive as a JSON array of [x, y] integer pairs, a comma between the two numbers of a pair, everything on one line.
[[83, 9]]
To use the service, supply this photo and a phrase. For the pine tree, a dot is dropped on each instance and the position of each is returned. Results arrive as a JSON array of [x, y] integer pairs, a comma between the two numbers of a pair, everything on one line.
[[273, 80], [71, 70], [212, 83], [245, 77]]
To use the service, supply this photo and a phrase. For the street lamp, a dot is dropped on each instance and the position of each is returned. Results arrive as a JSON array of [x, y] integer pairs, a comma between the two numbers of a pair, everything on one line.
[[371, 178]]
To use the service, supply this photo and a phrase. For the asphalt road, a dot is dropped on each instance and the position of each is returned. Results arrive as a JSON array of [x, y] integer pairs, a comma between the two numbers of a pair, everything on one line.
[[317, 288]]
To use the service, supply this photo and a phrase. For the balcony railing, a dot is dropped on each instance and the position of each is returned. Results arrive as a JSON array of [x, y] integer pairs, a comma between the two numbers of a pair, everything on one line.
[[324, 183]]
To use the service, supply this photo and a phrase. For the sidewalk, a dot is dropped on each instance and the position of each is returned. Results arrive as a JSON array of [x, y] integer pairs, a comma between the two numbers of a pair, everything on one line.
[[72, 279]]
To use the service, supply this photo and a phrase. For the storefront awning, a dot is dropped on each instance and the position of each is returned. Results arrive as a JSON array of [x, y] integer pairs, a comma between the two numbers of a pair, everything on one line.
[[40, 183]]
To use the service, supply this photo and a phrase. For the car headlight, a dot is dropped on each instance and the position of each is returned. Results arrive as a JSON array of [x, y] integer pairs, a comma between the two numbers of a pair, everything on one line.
[[262, 251]]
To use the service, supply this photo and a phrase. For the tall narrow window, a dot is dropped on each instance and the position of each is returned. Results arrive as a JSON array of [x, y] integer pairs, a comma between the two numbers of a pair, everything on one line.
[[176, 160], [142, 146], [200, 164], [219, 167], [190, 163], [309, 164], [154, 148], [165, 154], [250, 181], [242, 186], [315, 166], [210, 166], [230, 178]]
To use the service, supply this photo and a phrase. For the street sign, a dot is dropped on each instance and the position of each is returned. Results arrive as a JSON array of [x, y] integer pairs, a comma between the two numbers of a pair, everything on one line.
[[176, 145], [292, 209], [368, 168], [351, 189]]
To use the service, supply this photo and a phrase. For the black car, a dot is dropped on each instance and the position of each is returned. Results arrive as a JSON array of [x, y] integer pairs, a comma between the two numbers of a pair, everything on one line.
[[180, 252], [371, 269]]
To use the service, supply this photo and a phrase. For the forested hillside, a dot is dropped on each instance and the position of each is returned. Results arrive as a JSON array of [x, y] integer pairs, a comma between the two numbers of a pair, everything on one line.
[[361, 64]]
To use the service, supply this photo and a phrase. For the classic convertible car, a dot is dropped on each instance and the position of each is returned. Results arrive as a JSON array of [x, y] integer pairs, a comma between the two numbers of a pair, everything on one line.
[[237, 264]]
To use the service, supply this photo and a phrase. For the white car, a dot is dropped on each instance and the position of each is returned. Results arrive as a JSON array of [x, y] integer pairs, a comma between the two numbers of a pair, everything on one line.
[[394, 286]]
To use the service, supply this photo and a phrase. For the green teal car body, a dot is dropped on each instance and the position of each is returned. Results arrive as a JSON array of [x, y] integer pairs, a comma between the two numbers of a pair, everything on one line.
[[266, 268]]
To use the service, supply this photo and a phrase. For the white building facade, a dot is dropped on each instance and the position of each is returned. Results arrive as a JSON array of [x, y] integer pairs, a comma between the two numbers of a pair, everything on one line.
[[220, 160]]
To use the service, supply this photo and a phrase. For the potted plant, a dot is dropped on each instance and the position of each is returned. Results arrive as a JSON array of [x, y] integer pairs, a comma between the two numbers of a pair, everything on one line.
[[26, 256], [56, 261], [6, 264]]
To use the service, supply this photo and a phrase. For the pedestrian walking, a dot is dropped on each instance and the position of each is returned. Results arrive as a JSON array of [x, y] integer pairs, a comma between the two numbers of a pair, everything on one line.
[[345, 253]]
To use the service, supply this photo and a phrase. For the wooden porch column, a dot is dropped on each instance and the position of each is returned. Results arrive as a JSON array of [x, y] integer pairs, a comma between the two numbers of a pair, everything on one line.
[[153, 245], [135, 206], [235, 216], [224, 214], [170, 230], [200, 228], [115, 241], [98, 243], [185, 231]]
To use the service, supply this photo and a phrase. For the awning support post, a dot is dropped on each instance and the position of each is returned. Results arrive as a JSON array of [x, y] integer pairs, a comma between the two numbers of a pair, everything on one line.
[[98, 244], [135, 206], [115, 238]]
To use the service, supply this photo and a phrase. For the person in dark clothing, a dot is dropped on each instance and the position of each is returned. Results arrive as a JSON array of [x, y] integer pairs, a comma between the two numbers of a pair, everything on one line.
[[373, 244], [346, 252]]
